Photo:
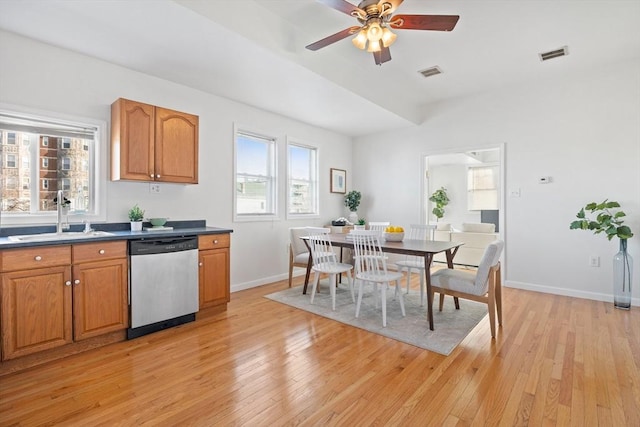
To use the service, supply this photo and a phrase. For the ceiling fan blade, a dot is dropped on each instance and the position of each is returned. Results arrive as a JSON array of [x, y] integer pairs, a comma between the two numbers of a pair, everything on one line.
[[344, 7], [382, 56], [332, 38], [424, 22]]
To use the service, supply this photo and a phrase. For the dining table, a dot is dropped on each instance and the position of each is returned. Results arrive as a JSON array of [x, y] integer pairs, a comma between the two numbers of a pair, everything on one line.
[[420, 248]]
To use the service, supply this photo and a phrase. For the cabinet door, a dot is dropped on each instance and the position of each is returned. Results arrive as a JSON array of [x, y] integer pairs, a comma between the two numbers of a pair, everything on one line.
[[36, 310], [214, 277], [176, 157], [99, 298], [132, 140]]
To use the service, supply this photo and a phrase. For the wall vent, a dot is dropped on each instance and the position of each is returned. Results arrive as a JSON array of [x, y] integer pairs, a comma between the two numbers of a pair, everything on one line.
[[432, 71], [545, 56]]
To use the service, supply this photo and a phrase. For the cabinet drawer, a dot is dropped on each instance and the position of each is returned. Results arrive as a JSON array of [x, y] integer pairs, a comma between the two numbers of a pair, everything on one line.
[[86, 252], [30, 258], [213, 241]]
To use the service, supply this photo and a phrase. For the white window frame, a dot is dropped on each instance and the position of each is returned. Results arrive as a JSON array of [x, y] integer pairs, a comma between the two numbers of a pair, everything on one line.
[[273, 212], [66, 163], [313, 180], [45, 162], [12, 159], [495, 189], [98, 166]]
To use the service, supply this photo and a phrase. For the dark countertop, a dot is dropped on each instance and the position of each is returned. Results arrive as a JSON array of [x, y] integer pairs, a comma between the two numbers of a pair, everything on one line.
[[120, 231]]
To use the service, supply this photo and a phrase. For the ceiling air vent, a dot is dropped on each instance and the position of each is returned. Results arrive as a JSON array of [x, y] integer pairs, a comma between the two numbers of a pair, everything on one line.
[[428, 72], [545, 56]]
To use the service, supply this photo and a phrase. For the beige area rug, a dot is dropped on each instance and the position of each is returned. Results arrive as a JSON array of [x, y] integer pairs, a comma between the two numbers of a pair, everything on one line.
[[451, 326]]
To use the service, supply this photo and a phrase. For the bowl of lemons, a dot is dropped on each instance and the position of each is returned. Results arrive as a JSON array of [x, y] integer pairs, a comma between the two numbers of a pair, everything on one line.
[[393, 234]]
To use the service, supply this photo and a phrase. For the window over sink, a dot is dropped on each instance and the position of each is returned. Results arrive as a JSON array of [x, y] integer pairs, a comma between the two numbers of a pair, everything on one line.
[[56, 154]]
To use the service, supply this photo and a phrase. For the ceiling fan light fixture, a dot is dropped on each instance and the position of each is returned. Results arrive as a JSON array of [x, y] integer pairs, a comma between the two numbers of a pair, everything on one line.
[[360, 40], [374, 32], [388, 37], [374, 47]]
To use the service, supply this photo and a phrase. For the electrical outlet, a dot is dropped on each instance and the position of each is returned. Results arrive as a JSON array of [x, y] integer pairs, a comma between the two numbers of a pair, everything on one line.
[[594, 261], [154, 188]]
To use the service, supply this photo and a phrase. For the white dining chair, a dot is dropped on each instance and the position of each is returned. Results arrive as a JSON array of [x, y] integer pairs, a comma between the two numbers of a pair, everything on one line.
[[371, 267], [412, 262], [379, 226], [483, 286], [325, 261], [298, 251]]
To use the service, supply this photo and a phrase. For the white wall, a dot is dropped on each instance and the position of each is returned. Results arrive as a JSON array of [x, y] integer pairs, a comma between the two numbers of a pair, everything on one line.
[[454, 179], [42, 77], [583, 131]]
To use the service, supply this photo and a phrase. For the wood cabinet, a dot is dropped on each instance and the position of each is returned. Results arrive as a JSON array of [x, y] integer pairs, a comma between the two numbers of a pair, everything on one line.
[[36, 300], [214, 283], [54, 295], [100, 303], [150, 143]]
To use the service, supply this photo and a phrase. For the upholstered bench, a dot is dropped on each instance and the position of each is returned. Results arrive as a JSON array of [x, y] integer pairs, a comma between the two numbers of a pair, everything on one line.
[[475, 236]]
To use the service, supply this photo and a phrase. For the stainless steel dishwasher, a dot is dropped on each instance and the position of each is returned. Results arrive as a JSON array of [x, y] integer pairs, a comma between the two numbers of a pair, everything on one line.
[[163, 285]]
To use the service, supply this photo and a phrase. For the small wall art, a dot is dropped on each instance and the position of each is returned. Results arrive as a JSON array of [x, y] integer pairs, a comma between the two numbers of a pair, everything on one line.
[[338, 181]]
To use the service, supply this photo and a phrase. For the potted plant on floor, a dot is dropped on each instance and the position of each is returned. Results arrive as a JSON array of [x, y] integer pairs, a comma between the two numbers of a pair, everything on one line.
[[135, 217], [440, 198], [352, 201], [609, 222]]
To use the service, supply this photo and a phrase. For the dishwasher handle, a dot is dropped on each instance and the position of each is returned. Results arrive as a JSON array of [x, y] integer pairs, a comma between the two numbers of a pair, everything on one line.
[[162, 245]]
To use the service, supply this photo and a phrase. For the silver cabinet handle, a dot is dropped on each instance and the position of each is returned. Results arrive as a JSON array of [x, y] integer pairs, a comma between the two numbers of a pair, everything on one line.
[[215, 242], [158, 176], [101, 251], [68, 283], [38, 258], [76, 282], [151, 175], [200, 264]]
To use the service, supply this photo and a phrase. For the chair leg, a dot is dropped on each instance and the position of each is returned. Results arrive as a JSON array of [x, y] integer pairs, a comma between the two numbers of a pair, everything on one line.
[[422, 287], [441, 301], [290, 266], [360, 282], [316, 279], [456, 302], [408, 278], [398, 285], [498, 292], [492, 306], [353, 297], [332, 286], [383, 297]]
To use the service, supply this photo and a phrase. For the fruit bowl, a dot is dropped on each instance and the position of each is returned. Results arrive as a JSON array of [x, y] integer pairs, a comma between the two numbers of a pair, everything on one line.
[[393, 237], [158, 222]]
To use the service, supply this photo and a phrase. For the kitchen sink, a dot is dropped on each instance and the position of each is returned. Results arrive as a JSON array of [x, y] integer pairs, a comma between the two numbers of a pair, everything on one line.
[[70, 235]]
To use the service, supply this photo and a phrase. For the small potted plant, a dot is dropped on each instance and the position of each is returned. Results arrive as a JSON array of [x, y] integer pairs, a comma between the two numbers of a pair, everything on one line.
[[136, 214], [360, 225], [352, 201]]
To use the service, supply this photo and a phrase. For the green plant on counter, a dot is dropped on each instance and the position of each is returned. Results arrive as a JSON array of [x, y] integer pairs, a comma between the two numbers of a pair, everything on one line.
[[136, 214], [362, 221]]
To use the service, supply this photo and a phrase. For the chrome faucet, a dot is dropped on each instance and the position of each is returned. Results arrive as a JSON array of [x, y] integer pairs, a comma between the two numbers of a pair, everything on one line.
[[61, 226]]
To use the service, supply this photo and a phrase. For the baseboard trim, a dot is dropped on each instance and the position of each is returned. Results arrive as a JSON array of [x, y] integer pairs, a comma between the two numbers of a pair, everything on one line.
[[595, 296]]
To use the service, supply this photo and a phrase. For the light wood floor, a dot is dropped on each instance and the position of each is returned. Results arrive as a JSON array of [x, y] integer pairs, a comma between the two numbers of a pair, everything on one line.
[[556, 361]]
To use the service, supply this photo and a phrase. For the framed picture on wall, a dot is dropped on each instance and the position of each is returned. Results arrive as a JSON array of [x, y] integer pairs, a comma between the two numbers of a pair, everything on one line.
[[338, 181]]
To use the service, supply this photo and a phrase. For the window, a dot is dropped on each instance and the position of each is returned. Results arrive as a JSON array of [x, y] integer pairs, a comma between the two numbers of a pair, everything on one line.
[[255, 181], [482, 187], [302, 180], [10, 183], [76, 173], [11, 138]]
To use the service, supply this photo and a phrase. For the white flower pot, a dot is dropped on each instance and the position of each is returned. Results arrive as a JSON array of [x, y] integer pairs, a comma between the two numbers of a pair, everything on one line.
[[136, 225]]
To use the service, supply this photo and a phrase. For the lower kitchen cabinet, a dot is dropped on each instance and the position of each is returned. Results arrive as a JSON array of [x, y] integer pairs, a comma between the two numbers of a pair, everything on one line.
[[54, 295], [100, 303], [214, 265], [36, 310]]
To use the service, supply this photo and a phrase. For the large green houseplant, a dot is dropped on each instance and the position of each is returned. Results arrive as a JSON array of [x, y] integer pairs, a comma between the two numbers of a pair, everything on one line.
[[352, 201], [609, 220], [440, 198]]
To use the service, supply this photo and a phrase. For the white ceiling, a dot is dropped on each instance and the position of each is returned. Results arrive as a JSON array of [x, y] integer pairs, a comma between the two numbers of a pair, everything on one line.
[[253, 51]]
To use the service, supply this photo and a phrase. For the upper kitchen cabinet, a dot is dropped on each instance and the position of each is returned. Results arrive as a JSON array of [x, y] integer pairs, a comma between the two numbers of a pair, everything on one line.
[[150, 143]]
